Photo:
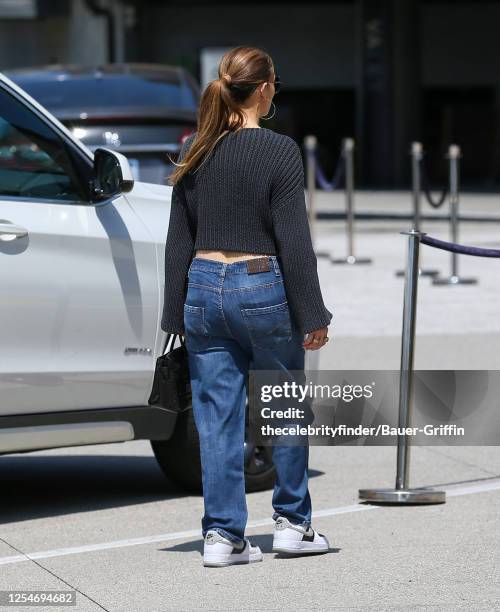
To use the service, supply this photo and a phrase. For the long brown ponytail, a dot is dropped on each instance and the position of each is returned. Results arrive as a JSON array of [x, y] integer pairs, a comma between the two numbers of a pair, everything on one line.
[[241, 69]]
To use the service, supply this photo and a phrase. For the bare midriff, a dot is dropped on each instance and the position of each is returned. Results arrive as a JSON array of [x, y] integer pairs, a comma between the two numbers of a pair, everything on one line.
[[227, 256]]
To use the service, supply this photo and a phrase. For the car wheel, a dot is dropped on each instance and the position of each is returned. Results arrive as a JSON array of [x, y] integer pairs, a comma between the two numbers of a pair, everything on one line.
[[179, 457]]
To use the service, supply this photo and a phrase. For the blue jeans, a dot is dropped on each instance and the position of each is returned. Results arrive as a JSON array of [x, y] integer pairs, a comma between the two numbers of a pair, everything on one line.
[[235, 321]]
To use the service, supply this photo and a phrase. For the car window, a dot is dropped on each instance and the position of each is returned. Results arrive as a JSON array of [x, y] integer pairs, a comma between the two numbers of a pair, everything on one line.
[[34, 159]]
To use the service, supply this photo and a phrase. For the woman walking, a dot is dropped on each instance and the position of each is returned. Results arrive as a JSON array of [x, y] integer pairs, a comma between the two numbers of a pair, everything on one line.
[[241, 285]]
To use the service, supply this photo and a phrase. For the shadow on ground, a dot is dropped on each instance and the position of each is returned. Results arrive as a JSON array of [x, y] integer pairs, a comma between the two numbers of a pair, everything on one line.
[[43, 486], [263, 541]]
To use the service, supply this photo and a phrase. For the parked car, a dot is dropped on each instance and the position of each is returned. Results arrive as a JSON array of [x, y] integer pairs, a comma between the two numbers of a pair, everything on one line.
[[145, 111], [82, 263]]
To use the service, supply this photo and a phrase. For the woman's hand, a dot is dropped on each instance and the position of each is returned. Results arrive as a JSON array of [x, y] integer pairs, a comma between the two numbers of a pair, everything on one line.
[[316, 339]]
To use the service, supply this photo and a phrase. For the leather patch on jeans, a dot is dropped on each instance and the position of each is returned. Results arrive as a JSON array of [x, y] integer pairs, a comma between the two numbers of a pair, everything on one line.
[[258, 264]]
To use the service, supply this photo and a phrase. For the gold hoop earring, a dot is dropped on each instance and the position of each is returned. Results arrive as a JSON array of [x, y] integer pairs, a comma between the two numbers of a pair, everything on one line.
[[274, 112]]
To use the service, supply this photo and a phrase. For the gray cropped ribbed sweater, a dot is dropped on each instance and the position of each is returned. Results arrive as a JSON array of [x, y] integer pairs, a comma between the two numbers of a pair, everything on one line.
[[247, 196]]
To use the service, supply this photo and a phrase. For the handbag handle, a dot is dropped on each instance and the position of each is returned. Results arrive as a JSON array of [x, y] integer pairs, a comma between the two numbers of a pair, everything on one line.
[[172, 337]]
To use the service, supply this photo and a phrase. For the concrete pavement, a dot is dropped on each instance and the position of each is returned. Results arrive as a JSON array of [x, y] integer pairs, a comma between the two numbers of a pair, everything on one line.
[[103, 520], [85, 533]]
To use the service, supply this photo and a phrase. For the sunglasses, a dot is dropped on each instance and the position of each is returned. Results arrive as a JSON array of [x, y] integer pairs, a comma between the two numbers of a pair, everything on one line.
[[249, 90]]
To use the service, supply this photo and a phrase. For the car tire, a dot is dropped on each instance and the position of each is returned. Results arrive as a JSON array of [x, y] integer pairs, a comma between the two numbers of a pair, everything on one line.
[[179, 458]]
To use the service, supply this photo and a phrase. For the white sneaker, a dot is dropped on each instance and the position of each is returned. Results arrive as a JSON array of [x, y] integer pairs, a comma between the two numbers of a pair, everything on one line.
[[292, 538], [218, 551]]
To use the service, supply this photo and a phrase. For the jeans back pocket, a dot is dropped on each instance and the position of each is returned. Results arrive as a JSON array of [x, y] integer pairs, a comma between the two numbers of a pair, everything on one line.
[[268, 326], [195, 326]]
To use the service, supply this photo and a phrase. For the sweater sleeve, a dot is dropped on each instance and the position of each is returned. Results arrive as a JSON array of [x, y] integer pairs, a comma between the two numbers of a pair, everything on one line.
[[294, 243], [179, 249]]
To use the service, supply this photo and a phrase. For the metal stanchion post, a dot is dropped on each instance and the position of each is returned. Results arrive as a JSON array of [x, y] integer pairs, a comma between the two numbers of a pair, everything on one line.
[[348, 153], [402, 494], [454, 278], [349, 191], [416, 160], [310, 144]]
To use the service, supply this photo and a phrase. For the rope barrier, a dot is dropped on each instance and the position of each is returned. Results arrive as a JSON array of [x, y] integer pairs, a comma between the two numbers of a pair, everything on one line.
[[427, 190], [459, 248], [337, 176]]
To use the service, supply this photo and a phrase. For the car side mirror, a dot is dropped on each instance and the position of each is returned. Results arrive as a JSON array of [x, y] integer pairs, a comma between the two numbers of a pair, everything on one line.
[[112, 174]]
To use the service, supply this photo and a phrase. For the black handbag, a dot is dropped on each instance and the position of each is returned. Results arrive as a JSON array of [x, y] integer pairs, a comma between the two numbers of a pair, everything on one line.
[[172, 384]]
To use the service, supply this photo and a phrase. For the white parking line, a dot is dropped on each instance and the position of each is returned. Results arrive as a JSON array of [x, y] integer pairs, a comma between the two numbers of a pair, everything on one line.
[[451, 491]]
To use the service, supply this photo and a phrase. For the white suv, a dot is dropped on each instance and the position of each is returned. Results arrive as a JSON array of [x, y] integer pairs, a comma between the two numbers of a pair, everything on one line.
[[82, 269]]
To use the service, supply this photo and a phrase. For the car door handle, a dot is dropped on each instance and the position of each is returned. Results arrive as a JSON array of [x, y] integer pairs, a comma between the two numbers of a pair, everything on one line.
[[9, 229]]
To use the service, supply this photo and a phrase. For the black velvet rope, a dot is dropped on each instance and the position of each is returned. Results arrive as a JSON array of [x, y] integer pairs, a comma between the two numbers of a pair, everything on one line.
[[337, 176], [459, 248], [427, 189]]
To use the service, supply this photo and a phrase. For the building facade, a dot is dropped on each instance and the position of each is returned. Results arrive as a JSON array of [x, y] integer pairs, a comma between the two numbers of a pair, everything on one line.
[[383, 71]]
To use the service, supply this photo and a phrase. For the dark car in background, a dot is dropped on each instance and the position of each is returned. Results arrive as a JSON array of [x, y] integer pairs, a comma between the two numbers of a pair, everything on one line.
[[145, 111]]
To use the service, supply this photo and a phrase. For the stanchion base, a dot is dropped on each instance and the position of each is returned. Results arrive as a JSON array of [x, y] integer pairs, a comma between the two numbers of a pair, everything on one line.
[[454, 280], [352, 259], [402, 496], [421, 272]]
